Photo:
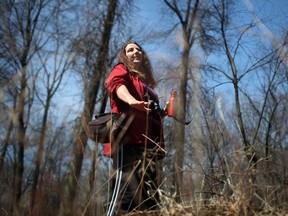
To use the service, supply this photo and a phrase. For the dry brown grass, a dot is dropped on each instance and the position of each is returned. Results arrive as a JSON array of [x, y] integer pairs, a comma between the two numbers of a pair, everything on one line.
[[215, 207]]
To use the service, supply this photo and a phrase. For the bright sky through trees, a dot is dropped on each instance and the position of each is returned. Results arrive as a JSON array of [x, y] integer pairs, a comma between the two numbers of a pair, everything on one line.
[[149, 15]]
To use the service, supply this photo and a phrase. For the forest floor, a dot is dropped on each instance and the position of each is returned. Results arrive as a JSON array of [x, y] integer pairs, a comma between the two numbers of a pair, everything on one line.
[[210, 210]]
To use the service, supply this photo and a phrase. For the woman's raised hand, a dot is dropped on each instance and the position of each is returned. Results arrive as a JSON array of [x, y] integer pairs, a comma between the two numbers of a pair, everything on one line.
[[140, 105]]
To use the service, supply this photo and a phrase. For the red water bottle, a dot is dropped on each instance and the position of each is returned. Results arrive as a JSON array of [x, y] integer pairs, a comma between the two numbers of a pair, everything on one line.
[[172, 104], [107, 150]]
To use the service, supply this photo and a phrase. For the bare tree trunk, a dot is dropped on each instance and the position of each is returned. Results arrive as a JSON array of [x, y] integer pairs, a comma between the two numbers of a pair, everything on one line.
[[180, 128], [39, 155], [22, 21], [17, 192], [38, 160], [53, 83], [70, 188], [188, 23], [249, 149]]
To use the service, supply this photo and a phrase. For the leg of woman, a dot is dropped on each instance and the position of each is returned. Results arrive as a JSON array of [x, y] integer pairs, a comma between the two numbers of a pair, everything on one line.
[[148, 178], [138, 188], [127, 194], [141, 185]]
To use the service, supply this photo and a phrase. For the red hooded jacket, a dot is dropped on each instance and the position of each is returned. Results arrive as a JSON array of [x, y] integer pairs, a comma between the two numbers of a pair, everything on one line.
[[150, 125]]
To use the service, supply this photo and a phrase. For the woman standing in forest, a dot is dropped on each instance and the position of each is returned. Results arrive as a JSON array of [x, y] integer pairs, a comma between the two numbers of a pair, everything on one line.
[[130, 86]]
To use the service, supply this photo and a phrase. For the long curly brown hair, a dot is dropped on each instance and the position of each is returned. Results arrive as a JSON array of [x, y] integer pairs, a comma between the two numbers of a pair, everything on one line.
[[145, 70]]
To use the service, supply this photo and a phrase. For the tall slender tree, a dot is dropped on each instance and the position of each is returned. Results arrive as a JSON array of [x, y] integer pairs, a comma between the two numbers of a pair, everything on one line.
[[25, 31], [70, 189], [22, 22], [263, 63], [52, 80], [191, 16]]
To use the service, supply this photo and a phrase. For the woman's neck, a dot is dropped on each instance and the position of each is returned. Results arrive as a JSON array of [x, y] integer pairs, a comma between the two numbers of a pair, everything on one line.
[[136, 67]]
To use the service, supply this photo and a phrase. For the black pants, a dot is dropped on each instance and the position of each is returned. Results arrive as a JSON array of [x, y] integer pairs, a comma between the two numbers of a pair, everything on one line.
[[138, 187]]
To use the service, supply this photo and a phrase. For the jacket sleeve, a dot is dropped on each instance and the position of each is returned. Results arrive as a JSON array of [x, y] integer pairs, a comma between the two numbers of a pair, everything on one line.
[[119, 76]]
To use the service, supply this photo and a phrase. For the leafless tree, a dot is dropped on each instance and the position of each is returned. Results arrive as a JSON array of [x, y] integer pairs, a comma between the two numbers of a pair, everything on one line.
[[99, 69], [193, 18], [23, 35], [254, 62], [52, 80]]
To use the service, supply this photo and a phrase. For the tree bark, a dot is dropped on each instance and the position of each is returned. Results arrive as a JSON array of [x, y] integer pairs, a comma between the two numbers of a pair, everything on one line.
[[187, 22], [17, 192], [69, 193]]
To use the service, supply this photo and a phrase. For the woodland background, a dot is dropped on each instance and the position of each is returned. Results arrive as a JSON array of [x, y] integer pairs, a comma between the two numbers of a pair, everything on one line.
[[227, 59]]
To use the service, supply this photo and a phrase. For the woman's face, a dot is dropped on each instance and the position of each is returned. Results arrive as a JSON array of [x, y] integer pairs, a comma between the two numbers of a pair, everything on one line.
[[134, 54]]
